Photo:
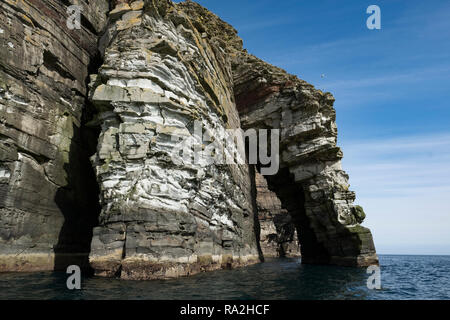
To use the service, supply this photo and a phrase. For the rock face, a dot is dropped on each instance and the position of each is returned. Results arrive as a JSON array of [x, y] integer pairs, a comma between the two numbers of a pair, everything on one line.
[[48, 197], [90, 119], [311, 183], [161, 219], [278, 236]]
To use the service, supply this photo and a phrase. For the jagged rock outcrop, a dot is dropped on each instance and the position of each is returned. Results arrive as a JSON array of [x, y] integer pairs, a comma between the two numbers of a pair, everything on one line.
[[278, 236], [89, 120], [48, 197]]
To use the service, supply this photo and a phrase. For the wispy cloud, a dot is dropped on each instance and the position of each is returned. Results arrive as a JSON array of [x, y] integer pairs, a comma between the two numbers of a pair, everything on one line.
[[261, 25], [409, 76], [417, 144], [404, 185], [399, 167]]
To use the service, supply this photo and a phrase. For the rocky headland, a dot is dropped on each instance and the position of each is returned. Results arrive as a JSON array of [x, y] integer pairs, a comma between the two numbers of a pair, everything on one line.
[[87, 120]]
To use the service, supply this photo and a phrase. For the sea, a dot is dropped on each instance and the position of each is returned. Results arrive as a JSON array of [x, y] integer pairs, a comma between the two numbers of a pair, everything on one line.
[[402, 277]]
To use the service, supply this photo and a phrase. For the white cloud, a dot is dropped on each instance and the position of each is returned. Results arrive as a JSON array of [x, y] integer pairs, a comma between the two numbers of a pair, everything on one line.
[[392, 78], [258, 25], [404, 185]]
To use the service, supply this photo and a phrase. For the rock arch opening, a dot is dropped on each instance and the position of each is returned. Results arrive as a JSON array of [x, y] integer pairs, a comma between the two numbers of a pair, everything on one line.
[[293, 228], [310, 183]]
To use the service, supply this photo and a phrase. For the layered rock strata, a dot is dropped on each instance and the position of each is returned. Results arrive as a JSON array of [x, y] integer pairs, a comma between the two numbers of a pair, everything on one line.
[[278, 235], [87, 164], [310, 183], [48, 196], [160, 218]]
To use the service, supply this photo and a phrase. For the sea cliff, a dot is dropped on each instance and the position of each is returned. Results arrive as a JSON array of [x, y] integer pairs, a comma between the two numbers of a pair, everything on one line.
[[88, 118]]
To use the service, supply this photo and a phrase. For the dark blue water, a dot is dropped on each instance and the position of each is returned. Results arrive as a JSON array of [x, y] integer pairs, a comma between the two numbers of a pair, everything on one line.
[[402, 277]]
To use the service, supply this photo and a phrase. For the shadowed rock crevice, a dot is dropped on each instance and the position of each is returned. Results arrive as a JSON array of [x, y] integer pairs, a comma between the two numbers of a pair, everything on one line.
[[51, 62], [292, 200], [257, 219], [278, 233], [78, 201]]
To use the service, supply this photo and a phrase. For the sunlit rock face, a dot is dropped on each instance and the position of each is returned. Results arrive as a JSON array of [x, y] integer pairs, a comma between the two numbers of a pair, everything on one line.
[[159, 218], [311, 184], [48, 196]]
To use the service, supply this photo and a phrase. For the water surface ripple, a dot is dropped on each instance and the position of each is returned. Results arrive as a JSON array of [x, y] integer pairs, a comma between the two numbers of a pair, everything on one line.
[[402, 277]]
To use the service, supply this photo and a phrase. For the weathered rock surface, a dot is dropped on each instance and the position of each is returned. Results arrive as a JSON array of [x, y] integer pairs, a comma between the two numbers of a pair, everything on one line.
[[161, 219], [87, 169], [278, 236], [48, 197], [311, 183]]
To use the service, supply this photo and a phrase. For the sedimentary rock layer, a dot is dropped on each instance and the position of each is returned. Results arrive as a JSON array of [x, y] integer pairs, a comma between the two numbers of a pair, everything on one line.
[[310, 183], [48, 197], [90, 119], [278, 235], [159, 218]]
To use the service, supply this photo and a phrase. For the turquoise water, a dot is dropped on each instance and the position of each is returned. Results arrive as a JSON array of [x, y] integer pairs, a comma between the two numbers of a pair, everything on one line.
[[402, 277]]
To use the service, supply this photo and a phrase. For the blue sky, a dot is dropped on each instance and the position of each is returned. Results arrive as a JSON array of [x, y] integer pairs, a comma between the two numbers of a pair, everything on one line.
[[392, 90]]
